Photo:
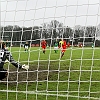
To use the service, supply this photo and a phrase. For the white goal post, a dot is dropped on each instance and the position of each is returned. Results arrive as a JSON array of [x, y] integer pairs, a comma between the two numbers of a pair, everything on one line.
[[65, 73]]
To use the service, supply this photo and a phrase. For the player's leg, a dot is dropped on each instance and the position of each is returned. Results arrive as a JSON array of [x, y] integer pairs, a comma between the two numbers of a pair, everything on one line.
[[27, 48], [56, 49], [62, 52], [43, 49], [3, 74]]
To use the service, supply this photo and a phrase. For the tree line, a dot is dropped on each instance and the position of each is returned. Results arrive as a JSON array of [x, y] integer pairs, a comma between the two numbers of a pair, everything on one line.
[[50, 31]]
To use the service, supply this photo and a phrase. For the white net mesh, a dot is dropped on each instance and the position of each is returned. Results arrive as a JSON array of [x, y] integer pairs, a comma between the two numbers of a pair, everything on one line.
[[75, 76]]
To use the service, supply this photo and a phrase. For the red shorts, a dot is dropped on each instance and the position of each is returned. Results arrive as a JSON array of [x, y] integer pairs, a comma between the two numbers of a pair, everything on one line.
[[63, 49], [43, 47]]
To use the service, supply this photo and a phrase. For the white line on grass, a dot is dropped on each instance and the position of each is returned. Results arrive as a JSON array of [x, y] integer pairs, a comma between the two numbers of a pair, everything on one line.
[[49, 94]]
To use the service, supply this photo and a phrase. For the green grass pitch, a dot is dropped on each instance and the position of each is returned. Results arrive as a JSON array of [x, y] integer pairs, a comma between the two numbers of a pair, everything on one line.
[[74, 77]]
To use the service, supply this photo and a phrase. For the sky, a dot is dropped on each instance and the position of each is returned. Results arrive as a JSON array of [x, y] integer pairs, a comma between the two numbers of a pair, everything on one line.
[[36, 12]]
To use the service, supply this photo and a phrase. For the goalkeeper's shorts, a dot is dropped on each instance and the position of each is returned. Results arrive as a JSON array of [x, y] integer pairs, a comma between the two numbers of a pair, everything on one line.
[[3, 74]]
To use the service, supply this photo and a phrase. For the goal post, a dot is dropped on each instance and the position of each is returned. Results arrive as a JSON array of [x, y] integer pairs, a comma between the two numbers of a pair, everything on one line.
[[46, 35]]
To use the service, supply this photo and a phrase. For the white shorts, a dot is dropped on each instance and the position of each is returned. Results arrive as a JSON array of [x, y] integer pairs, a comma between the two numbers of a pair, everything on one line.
[[55, 48], [26, 47]]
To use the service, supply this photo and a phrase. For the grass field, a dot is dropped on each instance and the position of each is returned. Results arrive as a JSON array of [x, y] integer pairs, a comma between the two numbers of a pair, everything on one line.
[[74, 77]]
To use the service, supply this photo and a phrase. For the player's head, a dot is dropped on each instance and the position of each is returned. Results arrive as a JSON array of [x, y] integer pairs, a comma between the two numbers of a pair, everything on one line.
[[61, 39], [2, 44], [43, 39]]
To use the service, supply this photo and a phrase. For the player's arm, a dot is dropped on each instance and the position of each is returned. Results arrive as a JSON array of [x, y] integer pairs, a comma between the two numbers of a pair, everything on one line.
[[59, 44], [13, 62]]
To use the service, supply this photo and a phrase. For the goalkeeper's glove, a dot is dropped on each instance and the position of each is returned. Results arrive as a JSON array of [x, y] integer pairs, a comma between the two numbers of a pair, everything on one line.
[[25, 67]]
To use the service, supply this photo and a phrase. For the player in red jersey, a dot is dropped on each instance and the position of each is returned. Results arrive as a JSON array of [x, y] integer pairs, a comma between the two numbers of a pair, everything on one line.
[[43, 45], [63, 47], [68, 45]]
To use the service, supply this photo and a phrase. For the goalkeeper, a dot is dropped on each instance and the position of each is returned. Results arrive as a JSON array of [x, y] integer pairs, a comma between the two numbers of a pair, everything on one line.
[[5, 54]]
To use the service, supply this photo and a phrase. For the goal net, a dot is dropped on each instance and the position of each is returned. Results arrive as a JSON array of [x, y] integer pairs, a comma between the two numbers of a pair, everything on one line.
[[58, 70]]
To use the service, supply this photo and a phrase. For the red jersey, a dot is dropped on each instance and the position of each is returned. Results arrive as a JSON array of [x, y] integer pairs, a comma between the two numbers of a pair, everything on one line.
[[64, 46], [43, 44]]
